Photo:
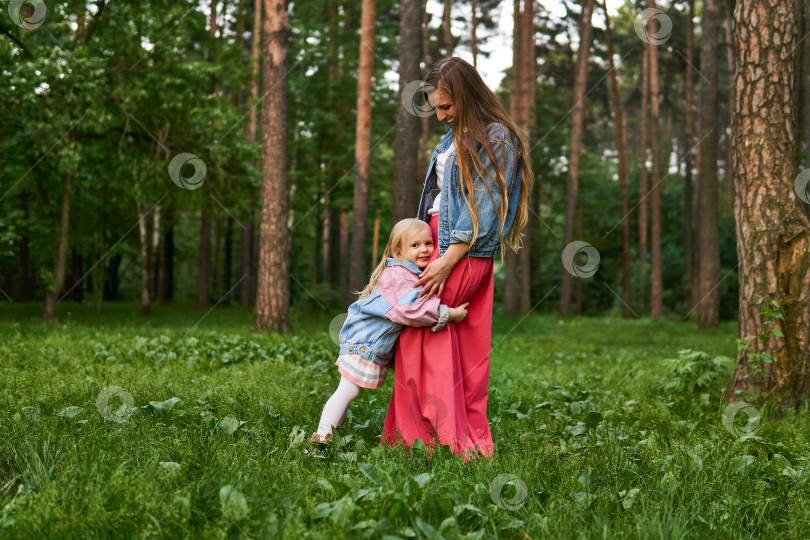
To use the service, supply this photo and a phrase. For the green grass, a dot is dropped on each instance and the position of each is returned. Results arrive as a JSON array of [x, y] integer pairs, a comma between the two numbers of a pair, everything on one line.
[[575, 407]]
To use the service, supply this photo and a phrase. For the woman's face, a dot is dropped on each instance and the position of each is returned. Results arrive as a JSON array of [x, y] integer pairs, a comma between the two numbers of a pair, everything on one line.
[[418, 247], [444, 106]]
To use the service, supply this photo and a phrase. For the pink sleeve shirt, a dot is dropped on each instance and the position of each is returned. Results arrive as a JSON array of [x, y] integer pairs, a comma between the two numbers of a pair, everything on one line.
[[396, 286]]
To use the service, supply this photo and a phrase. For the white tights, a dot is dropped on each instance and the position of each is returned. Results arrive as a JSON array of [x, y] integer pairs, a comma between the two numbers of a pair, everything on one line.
[[337, 405]]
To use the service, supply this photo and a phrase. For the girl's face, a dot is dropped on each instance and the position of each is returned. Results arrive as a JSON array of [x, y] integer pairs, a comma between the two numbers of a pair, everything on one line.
[[418, 248]]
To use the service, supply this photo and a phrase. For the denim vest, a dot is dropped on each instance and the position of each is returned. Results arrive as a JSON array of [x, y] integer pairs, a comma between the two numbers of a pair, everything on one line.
[[455, 220]]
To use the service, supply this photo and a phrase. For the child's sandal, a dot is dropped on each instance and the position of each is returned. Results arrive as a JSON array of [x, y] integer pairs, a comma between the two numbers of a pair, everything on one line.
[[319, 442]]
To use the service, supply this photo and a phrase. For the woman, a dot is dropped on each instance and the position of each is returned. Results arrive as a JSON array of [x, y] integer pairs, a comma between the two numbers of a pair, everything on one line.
[[476, 200]]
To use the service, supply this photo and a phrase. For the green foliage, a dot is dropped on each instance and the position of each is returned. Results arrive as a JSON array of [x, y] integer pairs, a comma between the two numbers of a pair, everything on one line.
[[215, 444]]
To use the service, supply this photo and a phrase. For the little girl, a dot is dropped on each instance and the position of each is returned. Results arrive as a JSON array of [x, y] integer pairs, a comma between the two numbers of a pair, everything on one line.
[[387, 304]]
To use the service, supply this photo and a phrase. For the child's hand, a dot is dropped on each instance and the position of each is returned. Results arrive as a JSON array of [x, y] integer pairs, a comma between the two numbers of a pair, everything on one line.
[[457, 314]]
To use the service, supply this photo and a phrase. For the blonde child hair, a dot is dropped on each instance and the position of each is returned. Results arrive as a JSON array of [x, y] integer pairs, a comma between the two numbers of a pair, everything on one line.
[[396, 242]]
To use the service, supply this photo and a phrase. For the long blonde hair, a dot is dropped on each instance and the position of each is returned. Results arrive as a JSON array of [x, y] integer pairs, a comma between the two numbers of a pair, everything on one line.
[[476, 106], [396, 242]]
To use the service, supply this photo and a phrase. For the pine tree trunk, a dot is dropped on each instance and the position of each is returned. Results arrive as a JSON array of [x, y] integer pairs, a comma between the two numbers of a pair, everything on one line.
[[474, 32], [26, 291], [247, 254], [707, 197], [406, 139], [60, 261], [773, 232], [643, 190], [424, 151], [688, 195], [273, 294], [622, 157], [167, 286], [143, 229], [359, 273], [576, 144], [343, 255], [511, 295], [528, 78], [655, 192], [204, 259], [447, 36]]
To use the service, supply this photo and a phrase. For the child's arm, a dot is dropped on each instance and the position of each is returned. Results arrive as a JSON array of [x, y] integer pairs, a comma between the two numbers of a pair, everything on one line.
[[396, 286]]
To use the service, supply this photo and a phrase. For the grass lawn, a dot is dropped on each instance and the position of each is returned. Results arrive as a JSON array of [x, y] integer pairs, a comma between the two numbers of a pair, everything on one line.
[[595, 434]]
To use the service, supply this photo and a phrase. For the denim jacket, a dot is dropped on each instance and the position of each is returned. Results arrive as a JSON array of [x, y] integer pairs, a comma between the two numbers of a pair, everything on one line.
[[375, 322], [455, 220]]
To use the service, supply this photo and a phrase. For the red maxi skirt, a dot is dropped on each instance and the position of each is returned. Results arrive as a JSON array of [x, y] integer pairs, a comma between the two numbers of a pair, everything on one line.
[[441, 379]]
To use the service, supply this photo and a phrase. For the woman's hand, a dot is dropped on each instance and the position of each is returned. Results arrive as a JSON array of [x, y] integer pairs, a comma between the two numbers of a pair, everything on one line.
[[436, 273], [434, 276]]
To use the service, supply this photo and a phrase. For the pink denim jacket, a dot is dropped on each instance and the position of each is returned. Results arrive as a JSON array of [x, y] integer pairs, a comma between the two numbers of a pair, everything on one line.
[[373, 324]]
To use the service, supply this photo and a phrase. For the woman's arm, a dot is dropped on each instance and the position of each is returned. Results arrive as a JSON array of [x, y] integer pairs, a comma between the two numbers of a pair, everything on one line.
[[436, 273]]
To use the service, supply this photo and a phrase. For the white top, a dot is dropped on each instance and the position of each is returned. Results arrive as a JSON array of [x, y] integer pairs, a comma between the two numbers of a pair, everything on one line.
[[441, 159]]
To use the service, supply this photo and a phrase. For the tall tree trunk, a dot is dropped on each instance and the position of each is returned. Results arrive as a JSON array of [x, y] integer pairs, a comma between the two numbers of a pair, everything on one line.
[[655, 139], [474, 32], [406, 139], [273, 294], [618, 120], [143, 229], [709, 242], [512, 292], [326, 272], [54, 288], [424, 151], [643, 191], [576, 143], [375, 240], [343, 254], [688, 195], [26, 292], [247, 255], [204, 261], [227, 274], [447, 35], [805, 78], [529, 81], [155, 255], [773, 232], [359, 272], [167, 285]]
